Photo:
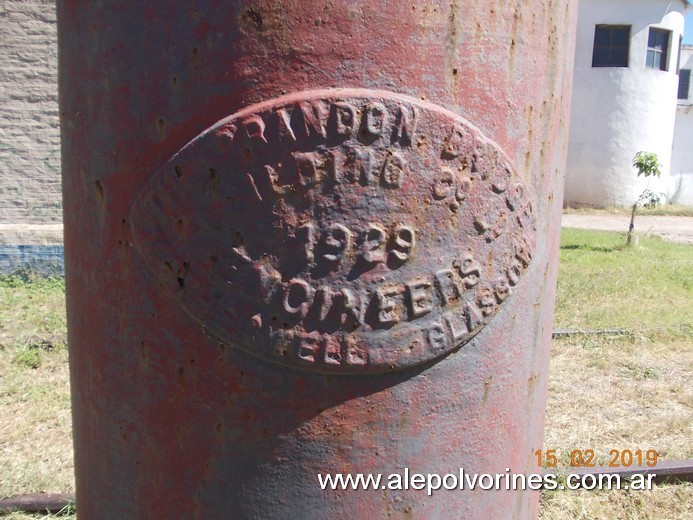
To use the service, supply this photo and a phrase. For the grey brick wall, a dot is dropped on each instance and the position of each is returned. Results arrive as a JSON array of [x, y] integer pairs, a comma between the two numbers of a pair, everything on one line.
[[29, 120]]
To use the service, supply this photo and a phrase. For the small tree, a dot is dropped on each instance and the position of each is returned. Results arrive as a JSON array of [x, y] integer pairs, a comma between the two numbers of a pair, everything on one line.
[[648, 165]]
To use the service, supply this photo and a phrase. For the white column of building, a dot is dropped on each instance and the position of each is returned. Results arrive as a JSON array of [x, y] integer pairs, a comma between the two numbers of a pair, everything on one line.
[[681, 178], [618, 111]]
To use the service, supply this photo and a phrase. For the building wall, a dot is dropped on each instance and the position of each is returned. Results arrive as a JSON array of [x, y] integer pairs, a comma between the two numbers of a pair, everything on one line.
[[618, 111], [682, 150], [29, 122], [30, 197]]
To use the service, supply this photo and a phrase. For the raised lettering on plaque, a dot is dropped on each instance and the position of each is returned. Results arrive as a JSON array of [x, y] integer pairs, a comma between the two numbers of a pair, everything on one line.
[[343, 231]]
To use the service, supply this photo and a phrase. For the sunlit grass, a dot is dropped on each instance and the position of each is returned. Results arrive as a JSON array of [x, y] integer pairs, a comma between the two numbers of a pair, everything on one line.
[[630, 391], [35, 433], [603, 283]]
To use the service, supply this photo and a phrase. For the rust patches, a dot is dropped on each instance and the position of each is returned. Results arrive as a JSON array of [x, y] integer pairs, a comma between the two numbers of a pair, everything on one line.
[[487, 388], [100, 191], [514, 39], [452, 42], [161, 127], [530, 137], [252, 18], [267, 27], [144, 355], [478, 32]]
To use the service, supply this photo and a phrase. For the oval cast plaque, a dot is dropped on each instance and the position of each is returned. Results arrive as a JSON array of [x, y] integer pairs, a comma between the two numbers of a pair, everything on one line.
[[343, 231]]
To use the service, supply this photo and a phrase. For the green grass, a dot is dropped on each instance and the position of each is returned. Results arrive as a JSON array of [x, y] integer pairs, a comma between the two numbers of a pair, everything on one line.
[[35, 433], [605, 284], [32, 312]]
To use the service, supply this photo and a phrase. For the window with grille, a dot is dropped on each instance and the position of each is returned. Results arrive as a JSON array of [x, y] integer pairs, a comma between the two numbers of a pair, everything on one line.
[[611, 46], [657, 49], [684, 83]]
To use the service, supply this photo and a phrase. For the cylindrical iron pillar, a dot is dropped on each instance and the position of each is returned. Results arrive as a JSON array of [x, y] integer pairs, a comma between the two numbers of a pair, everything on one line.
[[307, 238]]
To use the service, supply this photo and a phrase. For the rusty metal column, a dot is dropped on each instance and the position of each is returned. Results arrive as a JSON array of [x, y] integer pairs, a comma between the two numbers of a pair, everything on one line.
[[310, 237]]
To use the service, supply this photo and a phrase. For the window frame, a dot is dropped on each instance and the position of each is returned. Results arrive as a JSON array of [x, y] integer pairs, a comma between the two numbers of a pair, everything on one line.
[[611, 50], [684, 79], [655, 50]]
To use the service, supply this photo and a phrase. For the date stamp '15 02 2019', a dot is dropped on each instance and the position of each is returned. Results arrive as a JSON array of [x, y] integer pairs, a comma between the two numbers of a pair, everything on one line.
[[588, 458], [343, 231]]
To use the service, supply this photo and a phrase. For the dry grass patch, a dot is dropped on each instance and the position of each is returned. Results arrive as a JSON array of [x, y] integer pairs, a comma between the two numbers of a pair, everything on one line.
[[664, 502], [68, 514], [623, 392], [631, 391], [35, 434]]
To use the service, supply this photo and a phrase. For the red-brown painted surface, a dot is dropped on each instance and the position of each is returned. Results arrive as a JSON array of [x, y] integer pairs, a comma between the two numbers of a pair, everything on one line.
[[184, 403]]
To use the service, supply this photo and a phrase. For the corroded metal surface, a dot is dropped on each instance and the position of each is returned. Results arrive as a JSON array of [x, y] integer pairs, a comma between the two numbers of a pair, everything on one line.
[[384, 180], [39, 503], [339, 230]]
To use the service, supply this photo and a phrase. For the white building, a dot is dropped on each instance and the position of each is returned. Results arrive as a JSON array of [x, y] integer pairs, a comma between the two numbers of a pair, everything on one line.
[[624, 98], [682, 151]]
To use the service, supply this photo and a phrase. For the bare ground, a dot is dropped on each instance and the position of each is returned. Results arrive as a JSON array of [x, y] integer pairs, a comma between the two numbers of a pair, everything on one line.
[[674, 229]]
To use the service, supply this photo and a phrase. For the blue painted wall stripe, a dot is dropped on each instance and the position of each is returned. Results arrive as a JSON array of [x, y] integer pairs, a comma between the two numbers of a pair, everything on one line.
[[41, 259]]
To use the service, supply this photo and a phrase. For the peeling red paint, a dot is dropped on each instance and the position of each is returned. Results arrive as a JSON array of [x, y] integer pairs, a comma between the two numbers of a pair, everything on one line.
[[170, 422]]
